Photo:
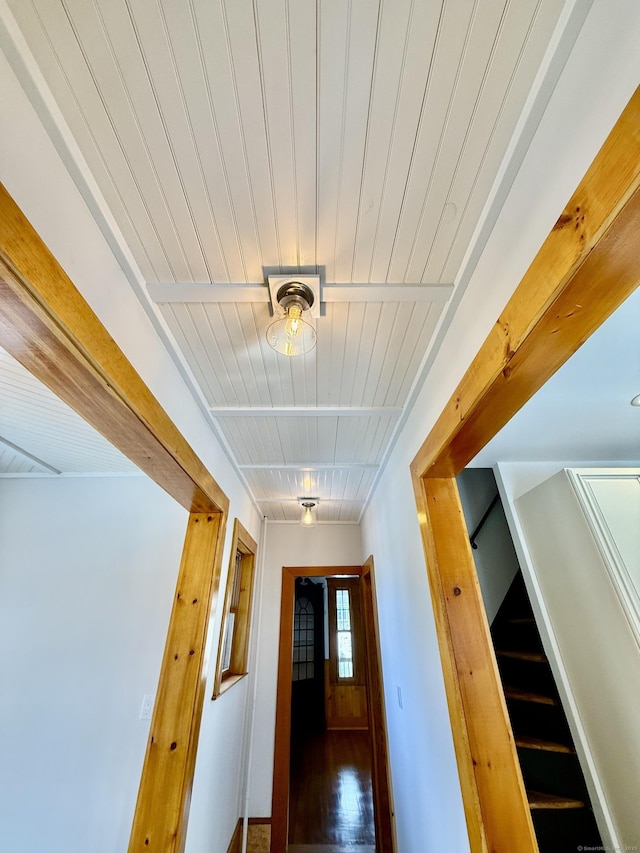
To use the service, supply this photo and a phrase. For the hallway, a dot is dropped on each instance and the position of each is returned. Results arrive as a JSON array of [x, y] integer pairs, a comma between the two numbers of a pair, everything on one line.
[[331, 803]]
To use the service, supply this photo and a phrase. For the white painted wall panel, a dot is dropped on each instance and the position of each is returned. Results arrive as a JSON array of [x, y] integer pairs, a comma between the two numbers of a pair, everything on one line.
[[619, 502], [494, 556], [429, 813], [85, 602]]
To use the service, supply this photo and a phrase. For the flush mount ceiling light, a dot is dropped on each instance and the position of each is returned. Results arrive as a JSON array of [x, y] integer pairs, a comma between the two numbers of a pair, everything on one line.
[[308, 517], [292, 333], [636, 400]]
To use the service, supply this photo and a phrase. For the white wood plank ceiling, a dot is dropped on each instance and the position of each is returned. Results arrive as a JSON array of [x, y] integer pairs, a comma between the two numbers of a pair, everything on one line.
[[41, 435], [357, 140]]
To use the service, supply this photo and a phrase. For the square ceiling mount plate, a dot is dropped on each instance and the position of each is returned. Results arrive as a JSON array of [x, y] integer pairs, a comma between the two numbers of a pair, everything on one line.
[[312, 282]]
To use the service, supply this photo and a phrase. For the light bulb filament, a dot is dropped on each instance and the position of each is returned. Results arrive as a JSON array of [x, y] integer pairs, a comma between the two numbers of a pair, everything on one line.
[[294, 323]]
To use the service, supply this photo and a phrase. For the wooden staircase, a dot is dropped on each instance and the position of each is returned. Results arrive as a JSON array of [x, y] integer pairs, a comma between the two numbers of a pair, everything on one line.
[[558, 798]]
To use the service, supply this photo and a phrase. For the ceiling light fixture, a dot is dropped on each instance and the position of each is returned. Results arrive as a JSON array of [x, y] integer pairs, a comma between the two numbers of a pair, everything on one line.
[[636, 400], [308, 517], [291, 334]]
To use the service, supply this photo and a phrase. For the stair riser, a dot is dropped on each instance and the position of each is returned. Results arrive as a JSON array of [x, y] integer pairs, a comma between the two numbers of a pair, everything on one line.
[[553, 772], [548, 722], [534, 677], [518, 636], [564, 830]]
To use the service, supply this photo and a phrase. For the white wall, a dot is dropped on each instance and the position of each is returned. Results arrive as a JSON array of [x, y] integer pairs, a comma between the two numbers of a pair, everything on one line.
[[87, 576], [494, 556], [428, 805], [286, 545]]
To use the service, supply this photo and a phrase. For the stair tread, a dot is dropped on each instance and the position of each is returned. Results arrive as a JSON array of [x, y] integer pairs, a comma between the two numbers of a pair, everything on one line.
[[528, 696], [538, 800], [537, 657], [537, 743]]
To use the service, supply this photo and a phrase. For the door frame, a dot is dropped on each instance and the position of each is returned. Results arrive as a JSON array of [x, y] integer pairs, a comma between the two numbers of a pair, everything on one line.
[[48, 326], [380, 777], [384, 813], [585, 269]]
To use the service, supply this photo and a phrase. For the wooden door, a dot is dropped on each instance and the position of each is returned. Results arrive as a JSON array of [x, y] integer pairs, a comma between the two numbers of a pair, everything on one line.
[[346, 688]]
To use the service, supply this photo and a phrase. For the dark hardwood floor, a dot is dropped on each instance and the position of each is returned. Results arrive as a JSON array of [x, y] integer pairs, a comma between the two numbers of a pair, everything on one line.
[[331, 800]]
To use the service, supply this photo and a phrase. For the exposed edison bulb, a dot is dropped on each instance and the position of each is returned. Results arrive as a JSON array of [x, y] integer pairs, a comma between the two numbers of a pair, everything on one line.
[[294, 323], [291, 334], [308, 519]]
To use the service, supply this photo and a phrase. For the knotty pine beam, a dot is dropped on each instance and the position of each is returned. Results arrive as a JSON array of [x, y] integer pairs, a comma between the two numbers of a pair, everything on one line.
[[585, 269], [494, 798], [51, 330], [48, 327], [164, 796]]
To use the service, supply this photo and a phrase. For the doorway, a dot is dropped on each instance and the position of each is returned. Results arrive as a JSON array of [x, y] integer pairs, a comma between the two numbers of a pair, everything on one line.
[[343, 769]]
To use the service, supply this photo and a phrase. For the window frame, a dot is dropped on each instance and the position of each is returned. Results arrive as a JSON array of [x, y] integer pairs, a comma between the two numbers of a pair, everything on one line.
[[352, 585], [241, 559]]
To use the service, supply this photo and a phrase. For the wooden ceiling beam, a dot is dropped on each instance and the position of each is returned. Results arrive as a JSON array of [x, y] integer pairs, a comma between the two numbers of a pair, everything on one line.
[[48, 327], [584, 270]]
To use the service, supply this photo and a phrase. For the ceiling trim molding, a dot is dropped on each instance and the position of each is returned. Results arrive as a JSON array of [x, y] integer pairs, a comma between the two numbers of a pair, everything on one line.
[[296, 501], [66, 475], [318, 522], [304, 411], [309, 466], [162, 294], [29, 456]]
